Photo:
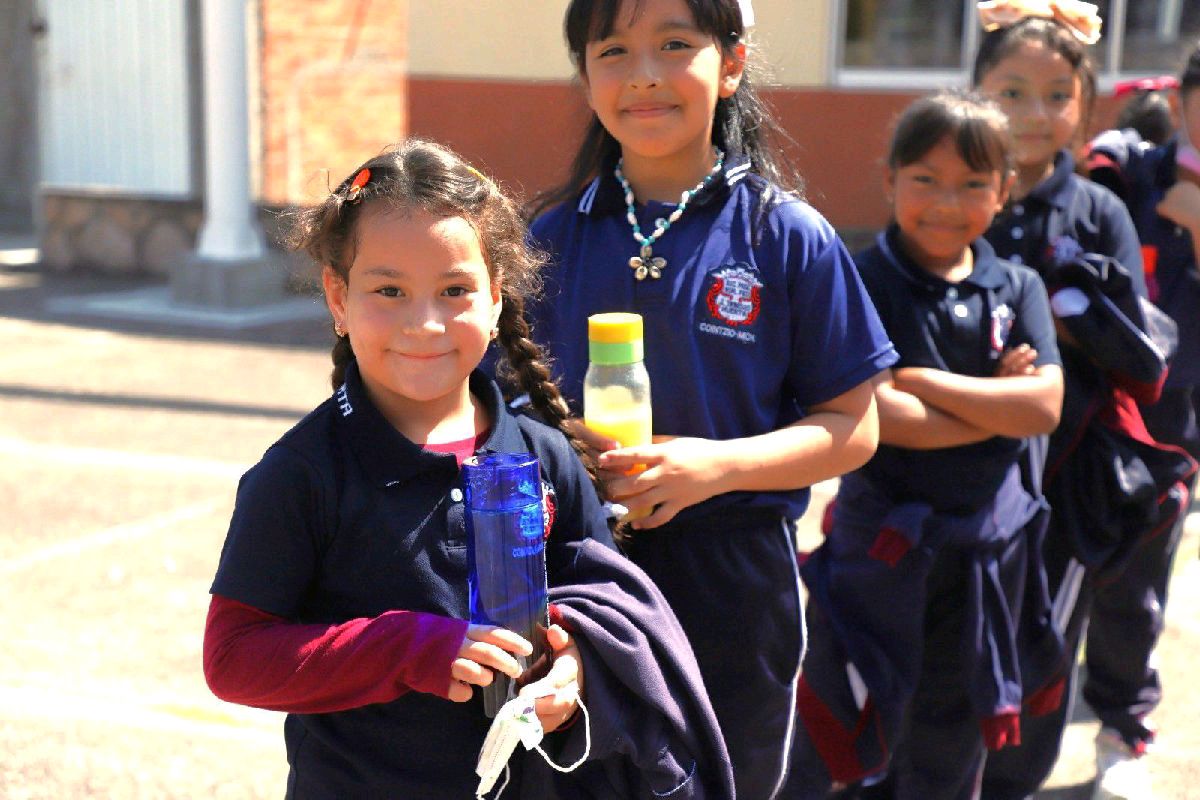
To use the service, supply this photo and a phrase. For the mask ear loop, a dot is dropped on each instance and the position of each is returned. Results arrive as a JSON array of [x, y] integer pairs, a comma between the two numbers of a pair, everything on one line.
[[587, 751], [587, 744]]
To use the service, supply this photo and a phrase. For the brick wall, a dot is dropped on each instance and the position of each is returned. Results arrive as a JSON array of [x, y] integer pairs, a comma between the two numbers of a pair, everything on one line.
[[333, 90]]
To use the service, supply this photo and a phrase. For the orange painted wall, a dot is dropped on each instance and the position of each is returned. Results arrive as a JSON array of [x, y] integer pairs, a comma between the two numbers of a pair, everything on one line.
[[525, 135]]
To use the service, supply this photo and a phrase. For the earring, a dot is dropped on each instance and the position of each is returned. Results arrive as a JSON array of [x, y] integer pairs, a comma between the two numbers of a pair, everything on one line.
[[494, 333], [338, 330]]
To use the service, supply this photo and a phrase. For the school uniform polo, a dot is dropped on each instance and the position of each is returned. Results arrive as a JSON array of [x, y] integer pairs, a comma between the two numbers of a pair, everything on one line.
[[754, 320], [963, 328], [757, 318], [1061, 217], [344, 518], [1123, 685], [1070, 214], [917, 589]]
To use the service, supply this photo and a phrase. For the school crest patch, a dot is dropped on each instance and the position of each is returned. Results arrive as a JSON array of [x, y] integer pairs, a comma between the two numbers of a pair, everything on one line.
[[734, 297], [1002, 325]]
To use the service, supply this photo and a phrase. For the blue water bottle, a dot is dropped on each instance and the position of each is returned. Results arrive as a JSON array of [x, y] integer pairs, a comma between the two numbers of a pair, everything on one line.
[[506, 554]]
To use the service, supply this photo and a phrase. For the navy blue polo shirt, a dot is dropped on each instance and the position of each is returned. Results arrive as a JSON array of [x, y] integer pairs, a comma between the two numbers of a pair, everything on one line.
[[756, 317], [344, 518], [963, 328], [1069, 213], [1143, 175]]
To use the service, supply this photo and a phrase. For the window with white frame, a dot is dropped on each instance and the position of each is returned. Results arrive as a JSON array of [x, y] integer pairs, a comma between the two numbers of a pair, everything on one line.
[[919, 43]]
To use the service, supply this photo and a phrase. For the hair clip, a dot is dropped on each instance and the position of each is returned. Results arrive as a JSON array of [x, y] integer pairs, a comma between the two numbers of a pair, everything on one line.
[[477, 174], [356, 185], [1081, 19], [1158, 84]]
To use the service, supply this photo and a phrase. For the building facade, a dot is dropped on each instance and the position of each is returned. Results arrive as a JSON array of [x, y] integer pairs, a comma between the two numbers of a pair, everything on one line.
[[101, 103]]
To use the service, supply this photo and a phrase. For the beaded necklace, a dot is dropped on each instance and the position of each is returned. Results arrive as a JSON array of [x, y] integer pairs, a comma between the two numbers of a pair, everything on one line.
[[646, 264]]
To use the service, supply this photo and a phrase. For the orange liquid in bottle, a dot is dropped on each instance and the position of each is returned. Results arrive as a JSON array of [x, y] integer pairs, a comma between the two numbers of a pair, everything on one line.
[[613, 412]]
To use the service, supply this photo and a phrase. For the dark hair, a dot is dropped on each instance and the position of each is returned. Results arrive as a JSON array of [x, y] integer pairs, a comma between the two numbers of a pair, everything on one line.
[[977, 127], [1190, 77], [743, 123], [419, 174], [1148, 113], [1001, 43]]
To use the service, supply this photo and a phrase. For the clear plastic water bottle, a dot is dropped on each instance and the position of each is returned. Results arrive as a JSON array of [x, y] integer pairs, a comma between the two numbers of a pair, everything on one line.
[[506, 554], [616, 388]]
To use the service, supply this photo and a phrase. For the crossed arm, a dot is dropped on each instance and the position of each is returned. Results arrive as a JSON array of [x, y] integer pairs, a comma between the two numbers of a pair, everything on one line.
[[925, 409]]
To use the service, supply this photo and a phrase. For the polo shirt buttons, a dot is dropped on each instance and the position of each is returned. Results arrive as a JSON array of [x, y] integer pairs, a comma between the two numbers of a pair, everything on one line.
[[1018, 210], [456, 494], [1016, 259], [961, 311], [952, 293], [1018, 232]]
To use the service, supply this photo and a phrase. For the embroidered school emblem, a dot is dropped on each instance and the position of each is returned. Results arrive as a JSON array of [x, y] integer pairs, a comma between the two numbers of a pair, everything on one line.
[[1002, 325], [549, 507], [734, 296]]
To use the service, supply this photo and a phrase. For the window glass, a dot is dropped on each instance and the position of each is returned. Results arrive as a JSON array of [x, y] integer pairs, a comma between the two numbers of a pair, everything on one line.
[[904, 33], [1159, 34]]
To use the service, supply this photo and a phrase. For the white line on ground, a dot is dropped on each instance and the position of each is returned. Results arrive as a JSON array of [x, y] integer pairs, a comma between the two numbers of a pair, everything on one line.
[[117, 534], [112, 459], [219, 720]]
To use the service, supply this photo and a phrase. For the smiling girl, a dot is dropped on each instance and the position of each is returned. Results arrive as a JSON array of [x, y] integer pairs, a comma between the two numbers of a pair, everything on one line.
[[1079, 237], [918, 585], [342, 595], [759, 339]]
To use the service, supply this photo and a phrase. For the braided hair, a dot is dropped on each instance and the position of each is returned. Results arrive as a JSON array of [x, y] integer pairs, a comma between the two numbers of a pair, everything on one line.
[[422, 175]]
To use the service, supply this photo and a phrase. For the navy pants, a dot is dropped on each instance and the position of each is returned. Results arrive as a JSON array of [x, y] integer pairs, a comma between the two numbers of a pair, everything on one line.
[[940, 753], [911, 650], [1126, 619], [1015, 773], [1122, 686], [732, 581]]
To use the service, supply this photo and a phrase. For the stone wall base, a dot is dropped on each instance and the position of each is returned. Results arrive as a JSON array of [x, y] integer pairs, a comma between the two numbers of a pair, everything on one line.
[[114, 234]]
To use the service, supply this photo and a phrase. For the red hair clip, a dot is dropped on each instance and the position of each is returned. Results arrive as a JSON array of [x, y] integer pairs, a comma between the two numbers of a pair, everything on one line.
[[1157, 84], [356, 185]]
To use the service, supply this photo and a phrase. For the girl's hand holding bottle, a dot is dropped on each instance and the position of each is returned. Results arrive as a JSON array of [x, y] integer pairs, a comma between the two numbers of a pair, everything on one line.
[[679, 472], [486, 648]]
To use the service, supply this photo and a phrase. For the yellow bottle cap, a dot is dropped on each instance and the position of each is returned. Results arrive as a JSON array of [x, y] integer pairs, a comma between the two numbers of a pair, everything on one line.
[[616, 327]]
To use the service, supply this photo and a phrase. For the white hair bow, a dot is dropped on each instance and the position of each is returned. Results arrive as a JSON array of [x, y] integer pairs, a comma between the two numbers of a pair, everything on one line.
[[1081, 19]]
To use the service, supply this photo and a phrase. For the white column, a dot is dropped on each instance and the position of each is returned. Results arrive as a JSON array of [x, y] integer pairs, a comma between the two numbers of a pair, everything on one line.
[[230, 231]]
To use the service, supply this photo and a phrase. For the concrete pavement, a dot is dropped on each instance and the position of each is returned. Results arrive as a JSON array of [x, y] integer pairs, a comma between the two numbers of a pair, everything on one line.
[[120, 448]]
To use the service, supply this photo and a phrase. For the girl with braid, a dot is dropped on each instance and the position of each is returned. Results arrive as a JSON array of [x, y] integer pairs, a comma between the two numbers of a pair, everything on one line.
[[341, 595]]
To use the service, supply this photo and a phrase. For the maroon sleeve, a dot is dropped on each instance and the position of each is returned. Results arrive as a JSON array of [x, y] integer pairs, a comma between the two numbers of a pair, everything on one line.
[[257, 659]]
